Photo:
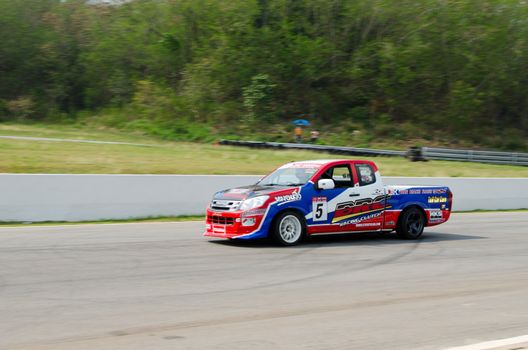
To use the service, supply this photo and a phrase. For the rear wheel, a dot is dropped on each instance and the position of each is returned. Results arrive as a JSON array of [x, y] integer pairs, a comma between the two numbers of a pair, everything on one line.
[[288, 228], [411, 224]]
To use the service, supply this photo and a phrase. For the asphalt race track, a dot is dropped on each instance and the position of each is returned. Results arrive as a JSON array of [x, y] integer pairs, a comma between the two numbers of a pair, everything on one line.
[[164, 286]]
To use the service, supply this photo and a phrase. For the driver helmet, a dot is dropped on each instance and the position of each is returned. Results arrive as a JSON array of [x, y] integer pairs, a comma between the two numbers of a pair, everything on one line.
[[302, 175]]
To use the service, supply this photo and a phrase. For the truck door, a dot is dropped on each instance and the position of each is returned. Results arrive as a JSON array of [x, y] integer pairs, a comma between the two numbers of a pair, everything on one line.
[[362, 209], [324, 200]]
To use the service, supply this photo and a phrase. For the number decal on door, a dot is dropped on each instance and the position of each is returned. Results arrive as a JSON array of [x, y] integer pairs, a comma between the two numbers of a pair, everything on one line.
[[320, 209]]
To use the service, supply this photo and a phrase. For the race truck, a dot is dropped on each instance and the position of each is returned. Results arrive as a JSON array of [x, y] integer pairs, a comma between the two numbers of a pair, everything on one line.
[[316, 197]]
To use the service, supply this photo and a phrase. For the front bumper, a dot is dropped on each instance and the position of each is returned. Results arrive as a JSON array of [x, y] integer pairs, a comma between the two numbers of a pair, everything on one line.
[[229, 224]]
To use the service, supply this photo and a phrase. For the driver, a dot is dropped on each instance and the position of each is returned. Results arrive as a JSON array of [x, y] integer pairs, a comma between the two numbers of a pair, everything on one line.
[[302, 175]]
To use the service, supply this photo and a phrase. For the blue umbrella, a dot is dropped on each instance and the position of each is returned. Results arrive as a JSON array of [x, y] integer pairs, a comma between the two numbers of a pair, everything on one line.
[[301, 122]]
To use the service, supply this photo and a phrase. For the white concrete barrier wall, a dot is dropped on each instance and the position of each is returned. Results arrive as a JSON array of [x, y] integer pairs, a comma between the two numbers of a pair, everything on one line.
[[48, 197]]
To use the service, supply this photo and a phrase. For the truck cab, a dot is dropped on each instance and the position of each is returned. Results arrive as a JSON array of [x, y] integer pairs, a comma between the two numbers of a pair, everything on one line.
[[348, 196]]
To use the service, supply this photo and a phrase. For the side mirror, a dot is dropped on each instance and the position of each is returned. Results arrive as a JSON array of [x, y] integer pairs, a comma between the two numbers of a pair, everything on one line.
[[325, 184]]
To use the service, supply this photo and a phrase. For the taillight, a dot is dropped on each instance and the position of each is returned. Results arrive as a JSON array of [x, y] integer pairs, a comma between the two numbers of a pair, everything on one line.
[[450, 199]]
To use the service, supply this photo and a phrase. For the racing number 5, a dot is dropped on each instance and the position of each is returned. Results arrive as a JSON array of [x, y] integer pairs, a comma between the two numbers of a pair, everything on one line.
[[319, 209]]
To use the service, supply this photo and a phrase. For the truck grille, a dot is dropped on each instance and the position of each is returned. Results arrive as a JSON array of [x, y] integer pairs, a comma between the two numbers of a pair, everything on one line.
[[224, 205], [220, 220]]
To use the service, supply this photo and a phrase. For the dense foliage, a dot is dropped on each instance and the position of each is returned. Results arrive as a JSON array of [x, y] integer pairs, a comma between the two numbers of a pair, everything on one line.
[[448, 71]]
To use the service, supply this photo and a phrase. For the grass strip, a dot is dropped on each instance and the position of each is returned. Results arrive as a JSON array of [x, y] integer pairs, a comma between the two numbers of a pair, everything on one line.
[[169, 157], [106, 221]]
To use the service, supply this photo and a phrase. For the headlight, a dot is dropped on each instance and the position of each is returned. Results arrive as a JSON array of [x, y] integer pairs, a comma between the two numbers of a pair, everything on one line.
[[254, 202]]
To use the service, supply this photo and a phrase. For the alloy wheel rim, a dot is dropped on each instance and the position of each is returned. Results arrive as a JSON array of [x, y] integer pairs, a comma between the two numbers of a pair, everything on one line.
[[290, 229], [414, 224]]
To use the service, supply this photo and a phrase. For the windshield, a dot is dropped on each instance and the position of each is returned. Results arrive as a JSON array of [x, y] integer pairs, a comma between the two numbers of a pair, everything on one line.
[[291, 176]]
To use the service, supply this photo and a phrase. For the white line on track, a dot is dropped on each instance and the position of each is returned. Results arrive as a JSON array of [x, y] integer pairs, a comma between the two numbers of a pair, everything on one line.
[[493, 344], [27, 138]]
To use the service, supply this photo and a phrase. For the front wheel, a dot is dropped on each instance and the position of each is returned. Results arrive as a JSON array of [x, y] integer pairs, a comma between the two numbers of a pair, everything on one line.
[[288, 228], [411, 224]]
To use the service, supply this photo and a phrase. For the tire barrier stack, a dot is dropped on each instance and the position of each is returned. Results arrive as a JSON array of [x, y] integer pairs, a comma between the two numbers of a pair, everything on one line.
[[414, 153]]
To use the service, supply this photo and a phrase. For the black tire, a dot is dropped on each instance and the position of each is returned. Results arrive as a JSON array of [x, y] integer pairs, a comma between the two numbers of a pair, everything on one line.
[[289, 228], [411, 224]]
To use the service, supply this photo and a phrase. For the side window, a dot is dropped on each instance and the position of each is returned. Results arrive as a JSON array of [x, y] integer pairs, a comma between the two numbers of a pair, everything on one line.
[[366, 174], [340, 174]]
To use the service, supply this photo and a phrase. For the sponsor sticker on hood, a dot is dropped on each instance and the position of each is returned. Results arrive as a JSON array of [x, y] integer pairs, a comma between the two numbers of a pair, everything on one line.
[[285, 198]]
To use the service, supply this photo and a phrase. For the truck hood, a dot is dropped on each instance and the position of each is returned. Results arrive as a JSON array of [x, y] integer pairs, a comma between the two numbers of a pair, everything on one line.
[[244, 192]]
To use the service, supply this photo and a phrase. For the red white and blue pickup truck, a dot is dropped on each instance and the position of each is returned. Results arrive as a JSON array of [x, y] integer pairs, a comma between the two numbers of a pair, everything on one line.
[[323, 197]]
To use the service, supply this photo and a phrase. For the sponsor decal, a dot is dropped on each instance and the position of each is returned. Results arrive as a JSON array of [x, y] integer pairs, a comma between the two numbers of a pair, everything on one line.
[[253, 212], [223, 202], [436, 199], [419, 191], [219, 229], [359, 219], [301, 165], [320, 209], [347, 210], [392, 192], [294, 196], [368, 224], [434, 191], [435, 215]]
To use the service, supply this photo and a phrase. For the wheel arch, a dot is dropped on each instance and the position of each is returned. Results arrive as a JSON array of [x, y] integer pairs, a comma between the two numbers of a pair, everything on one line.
[[409, 206], [289, 209]]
